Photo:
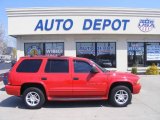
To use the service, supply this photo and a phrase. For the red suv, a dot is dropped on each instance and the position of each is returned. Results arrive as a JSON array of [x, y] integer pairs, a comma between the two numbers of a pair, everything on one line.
[[41, 78]]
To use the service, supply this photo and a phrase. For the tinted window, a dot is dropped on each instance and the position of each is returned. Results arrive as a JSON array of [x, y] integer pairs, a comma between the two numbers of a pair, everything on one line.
[[33, 49], [103, 53], [143, 54], [57, 66], [56, 49], [135, 54], [29, 66], [51, 48], [81, 67]]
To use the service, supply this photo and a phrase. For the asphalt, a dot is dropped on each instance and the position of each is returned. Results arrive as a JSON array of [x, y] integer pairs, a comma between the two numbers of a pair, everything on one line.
[[144, 106], [4, 66], [2, 72]]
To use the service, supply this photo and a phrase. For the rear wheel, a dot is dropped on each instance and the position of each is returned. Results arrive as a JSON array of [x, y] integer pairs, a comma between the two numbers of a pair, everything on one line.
[[120, 96], [33, 98]]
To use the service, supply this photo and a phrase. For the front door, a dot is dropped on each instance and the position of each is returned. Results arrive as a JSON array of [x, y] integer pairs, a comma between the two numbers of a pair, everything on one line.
[[85, 83]]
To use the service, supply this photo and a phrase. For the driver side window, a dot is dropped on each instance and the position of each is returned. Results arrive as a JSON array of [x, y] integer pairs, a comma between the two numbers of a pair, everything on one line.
[[81, 67]]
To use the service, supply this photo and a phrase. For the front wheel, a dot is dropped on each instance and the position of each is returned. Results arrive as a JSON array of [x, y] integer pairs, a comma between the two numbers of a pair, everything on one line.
[[33, 98], [120, 96]]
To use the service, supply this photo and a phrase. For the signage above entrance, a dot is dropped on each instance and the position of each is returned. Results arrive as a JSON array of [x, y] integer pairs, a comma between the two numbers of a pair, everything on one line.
[[83, 25], [88, 24]]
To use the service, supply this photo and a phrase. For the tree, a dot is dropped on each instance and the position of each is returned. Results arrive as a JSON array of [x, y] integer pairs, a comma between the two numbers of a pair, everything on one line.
[[3, 45], [14, 53]]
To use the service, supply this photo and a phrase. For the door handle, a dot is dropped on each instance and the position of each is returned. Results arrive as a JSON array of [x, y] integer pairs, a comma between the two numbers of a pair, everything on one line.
[[75, 78], [43, 78]]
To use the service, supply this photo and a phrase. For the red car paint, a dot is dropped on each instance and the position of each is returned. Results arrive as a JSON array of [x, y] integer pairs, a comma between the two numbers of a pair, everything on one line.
[[64, 86]]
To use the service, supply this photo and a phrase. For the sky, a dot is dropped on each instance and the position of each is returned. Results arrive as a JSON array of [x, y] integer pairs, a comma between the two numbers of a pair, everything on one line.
[[155, 4]]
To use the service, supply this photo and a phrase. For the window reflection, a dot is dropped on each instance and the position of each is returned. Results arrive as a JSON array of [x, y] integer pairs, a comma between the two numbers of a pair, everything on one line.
[[135, 54], [153, 53], [103, 53], [142, 54], [86, 50], [55, 49], [106, 54], [33, 49]]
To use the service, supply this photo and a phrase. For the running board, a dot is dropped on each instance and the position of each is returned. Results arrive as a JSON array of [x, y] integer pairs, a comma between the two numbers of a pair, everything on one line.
[[76, 99]]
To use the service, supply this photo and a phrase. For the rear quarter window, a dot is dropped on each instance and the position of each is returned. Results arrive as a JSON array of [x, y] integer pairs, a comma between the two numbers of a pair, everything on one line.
[[29, 66]]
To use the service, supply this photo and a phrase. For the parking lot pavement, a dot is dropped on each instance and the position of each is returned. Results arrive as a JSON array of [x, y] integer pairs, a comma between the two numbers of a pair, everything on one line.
[[4, 66], [1, 73], [144, 106]]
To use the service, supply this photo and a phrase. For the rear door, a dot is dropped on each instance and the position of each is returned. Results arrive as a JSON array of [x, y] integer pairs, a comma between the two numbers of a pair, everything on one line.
[[57, 78]]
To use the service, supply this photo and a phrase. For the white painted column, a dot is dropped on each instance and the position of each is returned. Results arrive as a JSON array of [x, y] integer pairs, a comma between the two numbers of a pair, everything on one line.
[[70, 47], [121, 55], [20, 48]]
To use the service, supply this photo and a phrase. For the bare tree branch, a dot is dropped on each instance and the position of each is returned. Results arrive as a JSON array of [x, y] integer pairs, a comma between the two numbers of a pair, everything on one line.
[[3, 45]]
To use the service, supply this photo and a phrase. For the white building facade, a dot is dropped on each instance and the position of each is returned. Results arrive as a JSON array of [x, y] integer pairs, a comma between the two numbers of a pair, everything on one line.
[[115, 38]]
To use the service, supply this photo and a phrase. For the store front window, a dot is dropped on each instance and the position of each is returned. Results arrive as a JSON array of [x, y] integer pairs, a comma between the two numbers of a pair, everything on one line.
[[103, 53], [153, 53], [135, 54], [143, 54], [31, 49], [86, 50], [55, 49], [106, 54]]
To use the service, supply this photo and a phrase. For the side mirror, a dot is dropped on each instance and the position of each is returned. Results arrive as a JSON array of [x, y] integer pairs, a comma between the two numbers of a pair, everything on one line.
[[94, 70]]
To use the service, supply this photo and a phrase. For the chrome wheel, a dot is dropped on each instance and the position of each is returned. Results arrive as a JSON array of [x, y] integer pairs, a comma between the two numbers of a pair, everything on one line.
[[32, 99], [121, 97]]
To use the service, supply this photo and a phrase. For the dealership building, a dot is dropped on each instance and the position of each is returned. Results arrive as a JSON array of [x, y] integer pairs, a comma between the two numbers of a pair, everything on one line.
[[115, 38]]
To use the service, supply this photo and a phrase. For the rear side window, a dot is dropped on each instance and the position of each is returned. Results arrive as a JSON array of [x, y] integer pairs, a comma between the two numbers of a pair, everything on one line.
[[57, 66], [81, 67], [29, 66]]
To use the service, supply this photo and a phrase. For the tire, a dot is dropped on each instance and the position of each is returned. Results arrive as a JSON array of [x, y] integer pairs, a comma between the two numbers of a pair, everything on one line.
[[33, 98], [120, 96]]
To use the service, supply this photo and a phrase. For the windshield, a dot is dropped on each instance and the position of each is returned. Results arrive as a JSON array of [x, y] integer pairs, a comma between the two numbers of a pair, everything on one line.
[[102, 69]]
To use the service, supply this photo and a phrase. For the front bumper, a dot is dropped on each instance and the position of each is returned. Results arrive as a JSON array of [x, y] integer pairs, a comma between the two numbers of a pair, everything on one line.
[[13, 90], [136, 88]]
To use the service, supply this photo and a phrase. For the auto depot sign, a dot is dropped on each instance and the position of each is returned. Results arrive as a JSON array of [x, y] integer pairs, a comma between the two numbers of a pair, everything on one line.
[[83, 25], [88, 24]]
